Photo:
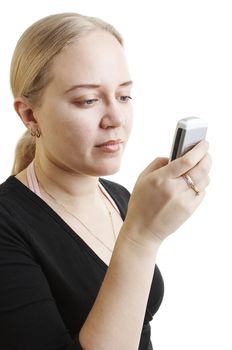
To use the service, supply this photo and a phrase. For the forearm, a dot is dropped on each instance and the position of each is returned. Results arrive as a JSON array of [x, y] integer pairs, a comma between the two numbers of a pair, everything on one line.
[[116, 319]]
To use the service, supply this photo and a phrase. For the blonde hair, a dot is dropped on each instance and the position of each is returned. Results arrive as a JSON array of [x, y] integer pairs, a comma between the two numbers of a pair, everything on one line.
[[33, 54]]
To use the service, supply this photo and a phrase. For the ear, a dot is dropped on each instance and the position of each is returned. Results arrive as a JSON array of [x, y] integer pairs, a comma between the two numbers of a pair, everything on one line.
[[24, 109]]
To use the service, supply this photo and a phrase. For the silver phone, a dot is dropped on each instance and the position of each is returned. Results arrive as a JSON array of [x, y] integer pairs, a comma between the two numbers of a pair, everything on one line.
[[189, 132]]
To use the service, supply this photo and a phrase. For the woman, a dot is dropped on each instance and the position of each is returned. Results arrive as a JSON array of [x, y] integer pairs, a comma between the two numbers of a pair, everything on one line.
[[77, 268]]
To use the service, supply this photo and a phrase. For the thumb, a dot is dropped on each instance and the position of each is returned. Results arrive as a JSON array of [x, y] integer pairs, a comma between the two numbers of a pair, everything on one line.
[[155, 164]]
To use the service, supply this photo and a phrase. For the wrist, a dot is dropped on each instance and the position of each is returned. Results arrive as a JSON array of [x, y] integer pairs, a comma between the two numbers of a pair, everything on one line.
[[140, 236]]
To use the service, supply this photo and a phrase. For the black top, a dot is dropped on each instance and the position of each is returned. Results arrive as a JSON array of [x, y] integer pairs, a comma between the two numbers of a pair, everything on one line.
[[49, 277]]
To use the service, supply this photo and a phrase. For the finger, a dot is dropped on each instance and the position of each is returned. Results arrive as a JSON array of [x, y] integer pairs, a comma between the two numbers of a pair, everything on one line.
[[188, 161], [201, 170], [203, 184], [199, 187]]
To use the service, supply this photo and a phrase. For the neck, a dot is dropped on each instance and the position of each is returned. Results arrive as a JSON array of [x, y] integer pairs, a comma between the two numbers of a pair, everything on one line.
[[71, 187]]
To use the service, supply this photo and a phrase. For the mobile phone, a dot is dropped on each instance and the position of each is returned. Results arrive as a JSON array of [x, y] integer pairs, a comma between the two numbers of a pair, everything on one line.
[[189, 132]]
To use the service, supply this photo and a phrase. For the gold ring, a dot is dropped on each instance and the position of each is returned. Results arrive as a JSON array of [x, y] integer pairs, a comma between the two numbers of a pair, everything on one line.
[[191, 184]]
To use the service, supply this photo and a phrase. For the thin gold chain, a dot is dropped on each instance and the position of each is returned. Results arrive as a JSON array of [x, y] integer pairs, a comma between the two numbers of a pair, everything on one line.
[[109, 213], [81, 222]]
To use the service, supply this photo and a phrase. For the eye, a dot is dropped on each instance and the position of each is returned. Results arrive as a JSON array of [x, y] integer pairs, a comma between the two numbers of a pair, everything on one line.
[[87, 102], [124, 99]]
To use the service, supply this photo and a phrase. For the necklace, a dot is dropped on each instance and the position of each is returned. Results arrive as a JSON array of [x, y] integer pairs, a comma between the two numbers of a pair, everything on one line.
[[82, 223]]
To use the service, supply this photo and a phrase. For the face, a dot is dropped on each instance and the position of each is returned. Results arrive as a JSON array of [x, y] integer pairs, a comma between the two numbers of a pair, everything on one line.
[[85, 116]]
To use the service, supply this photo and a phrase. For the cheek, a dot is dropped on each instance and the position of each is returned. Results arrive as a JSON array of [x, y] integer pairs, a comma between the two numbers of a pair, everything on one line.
[[73, 125], [75, 133], [78, 132]]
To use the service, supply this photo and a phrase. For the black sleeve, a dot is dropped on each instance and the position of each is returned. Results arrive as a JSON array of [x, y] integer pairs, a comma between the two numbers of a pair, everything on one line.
[[29, 317]]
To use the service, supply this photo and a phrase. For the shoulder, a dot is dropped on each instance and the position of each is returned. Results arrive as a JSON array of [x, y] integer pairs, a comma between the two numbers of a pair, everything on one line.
[[15, 218], [10, 226], [8, 186], [5, 194], [8, 195], [12, 206], [119, 194]]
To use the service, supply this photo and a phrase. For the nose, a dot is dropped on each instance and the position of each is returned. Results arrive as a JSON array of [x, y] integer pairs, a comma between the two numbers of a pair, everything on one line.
[[113, 116]]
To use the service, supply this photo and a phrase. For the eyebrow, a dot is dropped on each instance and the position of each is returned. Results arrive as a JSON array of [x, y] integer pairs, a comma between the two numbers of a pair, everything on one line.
[[94, 86]]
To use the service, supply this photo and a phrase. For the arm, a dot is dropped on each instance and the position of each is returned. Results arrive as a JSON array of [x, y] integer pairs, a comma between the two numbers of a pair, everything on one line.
[[116, 319]]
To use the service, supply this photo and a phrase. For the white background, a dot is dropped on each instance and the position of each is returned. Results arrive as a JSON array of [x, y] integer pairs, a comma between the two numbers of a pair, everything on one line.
[[181, 62]]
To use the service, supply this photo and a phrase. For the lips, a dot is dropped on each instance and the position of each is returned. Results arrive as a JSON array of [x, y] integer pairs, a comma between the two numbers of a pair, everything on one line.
[[110, 143], [110, 146]]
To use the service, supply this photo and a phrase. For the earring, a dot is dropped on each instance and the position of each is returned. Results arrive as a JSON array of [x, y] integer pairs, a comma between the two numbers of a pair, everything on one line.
[[32, 133], [35, 133]]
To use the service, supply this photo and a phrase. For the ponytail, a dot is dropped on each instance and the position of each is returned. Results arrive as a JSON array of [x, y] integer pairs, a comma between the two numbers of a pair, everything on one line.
[[24, 152]]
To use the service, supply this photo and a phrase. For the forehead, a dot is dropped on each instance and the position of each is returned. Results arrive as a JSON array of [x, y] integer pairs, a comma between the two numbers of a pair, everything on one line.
[[97, 58]]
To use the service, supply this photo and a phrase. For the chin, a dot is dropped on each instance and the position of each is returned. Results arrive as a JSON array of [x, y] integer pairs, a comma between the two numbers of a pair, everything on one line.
[[107, 172], [108, 169]]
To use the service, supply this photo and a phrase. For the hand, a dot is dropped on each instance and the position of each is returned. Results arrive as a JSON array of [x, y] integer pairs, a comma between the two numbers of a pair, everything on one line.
[[161, 200]]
